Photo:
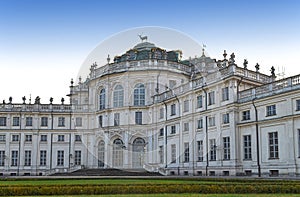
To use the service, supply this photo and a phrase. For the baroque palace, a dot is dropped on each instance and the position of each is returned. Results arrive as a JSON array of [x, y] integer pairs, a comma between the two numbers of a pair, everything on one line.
[[151, 110]]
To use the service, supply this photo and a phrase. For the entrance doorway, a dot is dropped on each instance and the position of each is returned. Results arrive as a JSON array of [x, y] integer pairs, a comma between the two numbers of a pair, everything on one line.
[[138, 153], [118, 153], [101, 154]]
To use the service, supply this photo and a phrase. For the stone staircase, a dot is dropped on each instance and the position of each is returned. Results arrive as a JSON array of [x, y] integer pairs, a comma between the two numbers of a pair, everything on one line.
[[108, 172]]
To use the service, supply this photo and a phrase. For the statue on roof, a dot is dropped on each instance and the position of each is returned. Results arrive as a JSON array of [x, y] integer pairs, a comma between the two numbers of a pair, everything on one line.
[[224, 54], [257, 67], [143, 37], [245, 63], [232, 56], [203, 49], [272, 71], [93, 66], [24, 99], [37, 100], [108, 59]]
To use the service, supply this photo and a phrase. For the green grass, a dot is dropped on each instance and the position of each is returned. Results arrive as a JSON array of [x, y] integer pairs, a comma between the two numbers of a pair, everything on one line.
[[186, 195], [208, 186]]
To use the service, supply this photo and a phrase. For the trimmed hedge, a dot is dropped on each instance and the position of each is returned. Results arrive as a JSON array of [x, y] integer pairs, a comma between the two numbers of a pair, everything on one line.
[[22, 190]]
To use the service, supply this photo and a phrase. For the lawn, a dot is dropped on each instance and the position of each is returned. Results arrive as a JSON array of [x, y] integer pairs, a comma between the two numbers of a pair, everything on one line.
[[186, 195], [151, 187]]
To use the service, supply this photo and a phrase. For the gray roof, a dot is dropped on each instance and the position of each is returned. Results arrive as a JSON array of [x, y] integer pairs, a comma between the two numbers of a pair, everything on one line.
[[144, 46]]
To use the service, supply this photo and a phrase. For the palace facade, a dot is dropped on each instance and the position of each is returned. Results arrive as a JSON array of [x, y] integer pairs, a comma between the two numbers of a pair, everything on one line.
[[149, 109]]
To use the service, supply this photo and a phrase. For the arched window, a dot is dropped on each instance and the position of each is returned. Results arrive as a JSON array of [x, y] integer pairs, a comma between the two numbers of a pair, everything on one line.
[[118, 96], [102, 99], [139, 141], [139, 95], [101, 153]]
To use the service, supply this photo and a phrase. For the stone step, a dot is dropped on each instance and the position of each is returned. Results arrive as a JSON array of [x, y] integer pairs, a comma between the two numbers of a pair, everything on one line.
[[108, 172]]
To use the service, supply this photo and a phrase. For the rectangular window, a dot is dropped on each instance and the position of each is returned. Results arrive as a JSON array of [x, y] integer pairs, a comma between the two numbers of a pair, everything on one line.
[[211, 121], [61, 121], [77, 160], [186, 126], [161, 154], [139, 95], [28, 138], [200, 150], [28, 121], [78, 122], [173, 109], [213, 149], [102, 99], [118, 95], [2, 138], [116, 119], [15, 138], [100, 120], [14, 158], [273, 145], [200, 123], [161, 132], [298, 105], [61, 138], [44, 121], [173, 129], [226, 148], [2, 157], [173, 153], [138, 118], [246, 115], [60, 158], [247, 147], [186, 152], [16, 121], [199, 101], [2, 121], [27, 161], [211, 98], [161, 113], [226, 118], [77, 138], [225, 94], [271, 110], [186, 106], [43, 138], [43, 157]]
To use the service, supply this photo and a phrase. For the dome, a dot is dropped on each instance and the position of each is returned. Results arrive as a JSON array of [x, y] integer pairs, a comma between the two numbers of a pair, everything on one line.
[[144, 46], [147, 50]]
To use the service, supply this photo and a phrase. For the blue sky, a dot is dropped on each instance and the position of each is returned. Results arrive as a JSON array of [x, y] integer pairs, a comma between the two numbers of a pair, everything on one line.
[[44, 42]]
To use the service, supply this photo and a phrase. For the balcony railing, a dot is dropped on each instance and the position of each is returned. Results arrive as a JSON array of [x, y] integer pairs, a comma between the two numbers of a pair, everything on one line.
[[275, 87], [231, 70], [139, 65], [35, 107]]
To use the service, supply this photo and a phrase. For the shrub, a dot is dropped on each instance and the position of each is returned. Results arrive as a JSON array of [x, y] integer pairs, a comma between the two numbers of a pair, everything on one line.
[[208, 188]]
